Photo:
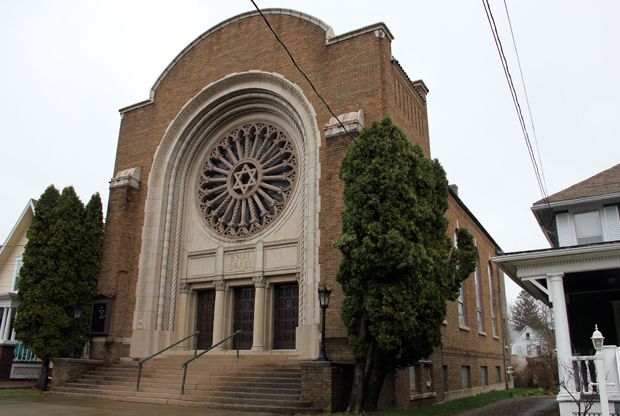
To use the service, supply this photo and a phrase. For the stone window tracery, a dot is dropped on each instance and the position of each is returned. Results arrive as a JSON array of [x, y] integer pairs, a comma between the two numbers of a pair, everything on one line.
[[247, 180]]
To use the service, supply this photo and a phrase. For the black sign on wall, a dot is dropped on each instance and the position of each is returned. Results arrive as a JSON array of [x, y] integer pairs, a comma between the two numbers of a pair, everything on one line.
[[101, 317]]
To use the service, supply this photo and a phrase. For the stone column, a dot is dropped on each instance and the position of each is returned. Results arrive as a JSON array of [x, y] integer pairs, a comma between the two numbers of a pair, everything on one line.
[[258, 343], [555, 284], [218, 312], [3, 326]]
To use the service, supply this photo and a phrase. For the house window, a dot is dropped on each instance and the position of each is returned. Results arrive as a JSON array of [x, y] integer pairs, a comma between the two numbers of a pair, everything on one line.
[[478, 283], [465, 377], [498, 374], [18, 265], [413, 384], [421, 377], [461, 306], [588, 227], [445, 378], [527, 336], [484, 375], [491, 303]]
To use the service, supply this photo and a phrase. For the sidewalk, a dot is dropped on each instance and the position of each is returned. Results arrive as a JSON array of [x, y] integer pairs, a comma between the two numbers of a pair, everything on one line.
[[52, 406]]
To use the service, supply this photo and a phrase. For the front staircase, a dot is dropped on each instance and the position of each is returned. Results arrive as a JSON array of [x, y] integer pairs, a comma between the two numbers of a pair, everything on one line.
[[248, 383]]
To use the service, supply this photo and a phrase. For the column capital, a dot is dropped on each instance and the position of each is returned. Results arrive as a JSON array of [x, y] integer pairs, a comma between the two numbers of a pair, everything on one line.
[[220, 285], [259, 281], [554, 277]]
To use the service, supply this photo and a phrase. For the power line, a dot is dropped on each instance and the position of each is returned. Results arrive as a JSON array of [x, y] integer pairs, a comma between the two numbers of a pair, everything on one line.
[[527, 99], [303, 73], [515, 99]]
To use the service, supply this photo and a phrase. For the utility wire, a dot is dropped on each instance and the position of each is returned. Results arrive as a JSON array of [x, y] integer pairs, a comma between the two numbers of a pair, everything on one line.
[[350, 134], [515, 99], [527, 99]]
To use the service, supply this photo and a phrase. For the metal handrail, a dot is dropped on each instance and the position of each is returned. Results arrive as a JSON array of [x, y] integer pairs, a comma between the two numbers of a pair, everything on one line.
[[185, 364], [141, 362]]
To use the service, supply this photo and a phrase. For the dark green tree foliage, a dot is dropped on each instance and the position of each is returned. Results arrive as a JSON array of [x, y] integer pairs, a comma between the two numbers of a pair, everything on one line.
[[56, 279], [90, 263], [399, 267]]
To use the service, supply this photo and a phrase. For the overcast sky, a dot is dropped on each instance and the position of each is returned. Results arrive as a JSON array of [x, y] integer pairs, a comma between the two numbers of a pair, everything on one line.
[[68, 66]]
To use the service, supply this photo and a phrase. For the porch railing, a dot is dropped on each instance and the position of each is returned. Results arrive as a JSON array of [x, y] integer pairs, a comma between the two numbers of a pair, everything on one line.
[[23, 354]]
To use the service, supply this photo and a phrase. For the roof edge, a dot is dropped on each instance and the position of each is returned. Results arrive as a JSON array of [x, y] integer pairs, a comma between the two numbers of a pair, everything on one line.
[[329, 33]]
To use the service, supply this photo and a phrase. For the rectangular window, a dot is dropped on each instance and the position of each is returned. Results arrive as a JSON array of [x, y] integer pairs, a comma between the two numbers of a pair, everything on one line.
[[465, 377], [445, 378], [491, 303], [461, 306], [18, 265], [413, 384], [484, 375], [588, 227], [498, 374], [478, 283]]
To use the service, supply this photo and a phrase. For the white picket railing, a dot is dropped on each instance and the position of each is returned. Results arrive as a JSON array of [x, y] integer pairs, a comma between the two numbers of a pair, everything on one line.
[[21, 353]]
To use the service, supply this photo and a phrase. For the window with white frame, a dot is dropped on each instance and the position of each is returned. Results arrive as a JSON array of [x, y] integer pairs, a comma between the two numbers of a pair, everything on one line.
[[18, 265], [461, 306], [478, 283], [588, 227], [491, 303]]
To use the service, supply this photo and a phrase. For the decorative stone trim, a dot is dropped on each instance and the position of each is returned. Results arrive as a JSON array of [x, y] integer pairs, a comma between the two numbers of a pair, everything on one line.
[[127, 177], [353, 123]]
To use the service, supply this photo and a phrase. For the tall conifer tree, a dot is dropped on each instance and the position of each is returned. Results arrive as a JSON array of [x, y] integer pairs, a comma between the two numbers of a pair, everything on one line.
[[58, 277], [399, 267]]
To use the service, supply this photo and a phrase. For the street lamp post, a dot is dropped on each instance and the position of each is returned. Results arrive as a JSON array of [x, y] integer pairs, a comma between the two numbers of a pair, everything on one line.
[[597, 340], [324, 294]]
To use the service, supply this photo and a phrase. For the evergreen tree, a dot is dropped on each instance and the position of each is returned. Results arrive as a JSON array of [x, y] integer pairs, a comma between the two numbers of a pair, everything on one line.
[[56, 281], [90, 264], [526, 311], [399, 267]]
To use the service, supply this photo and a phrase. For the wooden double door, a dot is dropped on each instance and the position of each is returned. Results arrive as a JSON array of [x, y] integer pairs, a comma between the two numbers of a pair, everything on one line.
[[286, 312]]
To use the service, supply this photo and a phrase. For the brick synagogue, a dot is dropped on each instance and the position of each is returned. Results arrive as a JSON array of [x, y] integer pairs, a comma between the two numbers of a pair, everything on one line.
[[225, 201]]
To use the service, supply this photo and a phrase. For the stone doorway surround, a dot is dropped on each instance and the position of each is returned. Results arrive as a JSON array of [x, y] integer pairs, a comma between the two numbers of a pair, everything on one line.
[[180, 253]]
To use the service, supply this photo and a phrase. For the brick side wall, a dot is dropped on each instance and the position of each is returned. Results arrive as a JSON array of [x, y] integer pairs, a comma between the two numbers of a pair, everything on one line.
[[67, 369]]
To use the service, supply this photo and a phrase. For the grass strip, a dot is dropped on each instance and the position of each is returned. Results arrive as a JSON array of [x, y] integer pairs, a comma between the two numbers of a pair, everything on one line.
[[455, 407], [18, 393]]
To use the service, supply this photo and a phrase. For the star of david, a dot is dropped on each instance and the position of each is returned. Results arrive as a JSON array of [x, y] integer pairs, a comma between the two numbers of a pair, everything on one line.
[[240, 176]]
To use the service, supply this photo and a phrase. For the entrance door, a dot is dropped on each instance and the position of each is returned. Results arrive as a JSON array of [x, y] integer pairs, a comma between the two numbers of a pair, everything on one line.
[[244, 316], [286, 315], [204, 318]]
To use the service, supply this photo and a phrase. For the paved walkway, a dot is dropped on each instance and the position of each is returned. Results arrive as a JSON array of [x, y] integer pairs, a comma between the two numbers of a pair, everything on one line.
[[519, 406], [52, 406]]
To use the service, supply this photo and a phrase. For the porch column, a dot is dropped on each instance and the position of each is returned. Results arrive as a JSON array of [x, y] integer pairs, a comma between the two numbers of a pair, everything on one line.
[[3, 326], [555, 284], [218, 312], [258, 342], [8, 329]]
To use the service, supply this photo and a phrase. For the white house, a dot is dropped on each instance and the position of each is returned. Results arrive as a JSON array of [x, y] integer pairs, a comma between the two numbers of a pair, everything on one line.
[[16, 361], [527, 343], [579, 277]]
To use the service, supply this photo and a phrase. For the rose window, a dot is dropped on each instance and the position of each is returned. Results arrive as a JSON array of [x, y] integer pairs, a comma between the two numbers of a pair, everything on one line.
[[247, 180]]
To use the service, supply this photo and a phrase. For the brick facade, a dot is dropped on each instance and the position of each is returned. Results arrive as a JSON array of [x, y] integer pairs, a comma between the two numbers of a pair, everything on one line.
[[353, 72]]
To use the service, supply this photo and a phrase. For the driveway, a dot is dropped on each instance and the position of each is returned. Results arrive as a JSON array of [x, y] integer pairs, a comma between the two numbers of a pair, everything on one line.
[[55, 406], [519, 406]]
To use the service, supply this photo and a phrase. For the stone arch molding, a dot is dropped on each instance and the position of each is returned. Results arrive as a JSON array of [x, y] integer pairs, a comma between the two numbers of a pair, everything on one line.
[[214, 108]]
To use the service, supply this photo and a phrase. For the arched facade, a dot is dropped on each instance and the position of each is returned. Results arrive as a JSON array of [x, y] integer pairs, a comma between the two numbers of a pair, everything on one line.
[[185, 254]]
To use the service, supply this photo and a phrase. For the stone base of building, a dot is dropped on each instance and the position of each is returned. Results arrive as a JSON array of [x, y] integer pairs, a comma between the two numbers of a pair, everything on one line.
[[326, 385], [67, 369]]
